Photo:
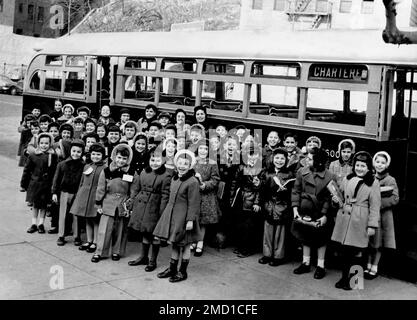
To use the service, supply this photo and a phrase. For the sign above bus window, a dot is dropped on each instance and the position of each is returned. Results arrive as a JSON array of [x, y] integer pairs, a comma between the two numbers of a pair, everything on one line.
[[140, 63], [338, 72]]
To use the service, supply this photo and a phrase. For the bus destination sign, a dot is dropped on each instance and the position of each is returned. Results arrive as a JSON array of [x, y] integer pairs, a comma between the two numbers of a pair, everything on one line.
[[338, 72]]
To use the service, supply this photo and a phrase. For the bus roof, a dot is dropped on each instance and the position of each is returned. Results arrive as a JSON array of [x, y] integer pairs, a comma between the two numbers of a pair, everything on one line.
[[352, 46]]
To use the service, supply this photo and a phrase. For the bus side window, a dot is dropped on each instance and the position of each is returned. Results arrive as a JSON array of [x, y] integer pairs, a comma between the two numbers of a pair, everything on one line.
[[226, 96], [140, 88], [35, 81], [74, 82], [53, 80], [178, 91]]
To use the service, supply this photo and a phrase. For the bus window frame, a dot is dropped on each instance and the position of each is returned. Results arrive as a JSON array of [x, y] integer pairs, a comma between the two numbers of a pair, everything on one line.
[[178, 60], [122, 64], [276, 63], [230, 61]]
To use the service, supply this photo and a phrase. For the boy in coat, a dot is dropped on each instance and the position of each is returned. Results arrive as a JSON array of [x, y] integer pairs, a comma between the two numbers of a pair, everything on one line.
[[112, 192]]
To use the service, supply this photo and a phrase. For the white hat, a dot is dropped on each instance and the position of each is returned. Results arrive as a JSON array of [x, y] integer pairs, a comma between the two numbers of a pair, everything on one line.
[[314, 138], [349, 141], [384, 154], [183, 153], [68, 106], [120, 147]]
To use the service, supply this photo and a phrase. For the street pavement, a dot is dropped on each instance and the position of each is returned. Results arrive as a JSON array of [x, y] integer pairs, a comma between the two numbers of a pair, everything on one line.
[[32, 266]]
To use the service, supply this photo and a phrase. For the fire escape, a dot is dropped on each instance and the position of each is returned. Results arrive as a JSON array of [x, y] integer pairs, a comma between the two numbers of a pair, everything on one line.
[[311, 13]]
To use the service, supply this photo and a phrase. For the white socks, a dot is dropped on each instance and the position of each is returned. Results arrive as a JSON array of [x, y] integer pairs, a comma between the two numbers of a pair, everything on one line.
[[34, 220], [374, 269], [320, 263], [306, 260], [41, 221]]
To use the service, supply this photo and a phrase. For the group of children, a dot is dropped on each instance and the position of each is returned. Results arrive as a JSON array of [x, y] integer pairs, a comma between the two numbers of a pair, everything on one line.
[[174, 182]]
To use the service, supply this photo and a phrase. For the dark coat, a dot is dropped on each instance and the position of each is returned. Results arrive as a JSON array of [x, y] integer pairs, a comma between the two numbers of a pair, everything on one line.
[[312, 198], [150, 194], [67, 176], [246, 194], [84, 203], [140, 161], [37, 178], [183, 206], [277, 199]]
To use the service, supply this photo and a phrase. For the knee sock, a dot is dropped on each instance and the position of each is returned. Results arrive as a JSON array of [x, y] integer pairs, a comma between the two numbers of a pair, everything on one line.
[[34, 220], [173, 266], [145, 249], [184, 265], [41, 221], [306, 260], [155, 251], [374, 269], [320, 263]]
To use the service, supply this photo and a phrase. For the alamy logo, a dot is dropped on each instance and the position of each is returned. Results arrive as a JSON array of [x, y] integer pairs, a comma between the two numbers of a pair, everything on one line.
[[57, 280], [57, 19], [356, 280]]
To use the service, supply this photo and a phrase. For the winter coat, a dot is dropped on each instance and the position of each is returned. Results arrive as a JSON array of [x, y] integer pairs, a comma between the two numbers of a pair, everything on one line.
[[228, 170], [84, 203], [311, 197], [294, 159], [355, 217], [140, 161], [67, 176], [183, 206], [149, 195], [267, 155], [209, 207], [62, 149], [37, 178], [340, 169], [246, 194], [276, 199]]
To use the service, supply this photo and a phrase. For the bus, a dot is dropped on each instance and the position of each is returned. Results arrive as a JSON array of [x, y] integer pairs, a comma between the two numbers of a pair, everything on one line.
[[332, 83]]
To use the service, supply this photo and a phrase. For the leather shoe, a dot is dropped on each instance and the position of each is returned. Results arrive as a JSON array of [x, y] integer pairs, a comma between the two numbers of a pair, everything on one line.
[[167, 273], [115, 257], [343, 283], [33, 228], [320, 273], [303, 268], [198, 252], [178, 277], [96, 258], [61, 241], [370, 275], [41, 228], [150, 267], [276, 262], [139, 261], [264, 260], [53, 230]]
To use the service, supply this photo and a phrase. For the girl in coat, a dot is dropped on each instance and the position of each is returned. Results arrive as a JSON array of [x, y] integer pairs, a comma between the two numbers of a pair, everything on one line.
[[343, 166], [105, 116], [170, 149], [178, 223], [112, 192], [37, 180], [358, 215], [207, 173], [276, 199], [140, 153], [385, 235], [149, 196], [84, 203], [310, 201], [151, 114]]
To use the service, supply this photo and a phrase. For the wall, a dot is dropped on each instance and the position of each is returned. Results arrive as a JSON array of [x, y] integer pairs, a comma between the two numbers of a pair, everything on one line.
[[7, 15]]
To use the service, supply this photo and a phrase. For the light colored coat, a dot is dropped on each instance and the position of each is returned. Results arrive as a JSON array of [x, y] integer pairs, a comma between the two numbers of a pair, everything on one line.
[[354, 218]]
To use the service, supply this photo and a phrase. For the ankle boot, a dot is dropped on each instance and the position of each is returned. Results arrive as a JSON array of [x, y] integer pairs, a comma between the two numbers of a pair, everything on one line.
[[143, 258], [152, 263], [182, 274], [169, 272]]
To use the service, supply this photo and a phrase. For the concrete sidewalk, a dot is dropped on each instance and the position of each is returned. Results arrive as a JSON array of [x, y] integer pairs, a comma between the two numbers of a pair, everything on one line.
[[26, 261]]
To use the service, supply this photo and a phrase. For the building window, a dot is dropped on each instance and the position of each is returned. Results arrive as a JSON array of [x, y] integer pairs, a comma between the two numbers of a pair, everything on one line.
[[1, 5], [257, 4], [20, 7], [279, 5], [31, 10], [345, 6], [41, 14], [321, 5], [367, 7]]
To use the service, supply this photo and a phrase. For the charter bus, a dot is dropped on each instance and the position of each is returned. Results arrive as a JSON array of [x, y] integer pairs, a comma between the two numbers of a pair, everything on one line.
[[333, 84]]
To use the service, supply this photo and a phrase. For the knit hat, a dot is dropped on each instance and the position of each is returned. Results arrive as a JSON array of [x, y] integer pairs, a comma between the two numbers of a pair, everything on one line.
[[383, 154], [197, 126], [314, 139], [350, 141], [185, 153], [119, 147], [68, 106], [45, 135]]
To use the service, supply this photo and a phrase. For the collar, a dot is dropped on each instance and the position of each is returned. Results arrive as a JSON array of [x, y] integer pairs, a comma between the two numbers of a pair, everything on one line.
[[113, 167], [382, 176], [185, 177]]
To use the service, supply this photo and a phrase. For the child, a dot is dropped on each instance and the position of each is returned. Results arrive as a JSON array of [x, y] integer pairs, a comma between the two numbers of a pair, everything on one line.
[[207, 172], [273, 141], [140, 153], [221, 131], [37, 180], [310, 202], [53, 129], [200, 117], [89, 139], [183, 129], [164, 119], [294, 153], [31, 146], [181, 143], [343, 166], [78, 124], [65, 185], [62, 148], [83, 112], [105, 116], [84, 203], [169, 152], [178, 223], [124, 118], [131, 129], [170, 132], [385, 235], [25, 136], [44, 121], [215, 147], [245, 202], [67, 116], [154, 130], [149, 196], [151, 114], [112, 193], [90, 125], [113, 137], [196, 134], [358, 216], [276, 199], [102, 133], [57, 113], [311, 142]]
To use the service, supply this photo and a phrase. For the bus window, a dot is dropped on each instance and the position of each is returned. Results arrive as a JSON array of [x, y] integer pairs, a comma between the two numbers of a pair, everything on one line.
[[273, 70], [179, 65], [74, 82], [75, 61], [281, 101], [140, 63], [53, 60], [338, 106], [35, 82], [178, 91], [53, 80], [226, 96], [140, 88], [224, 67]]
